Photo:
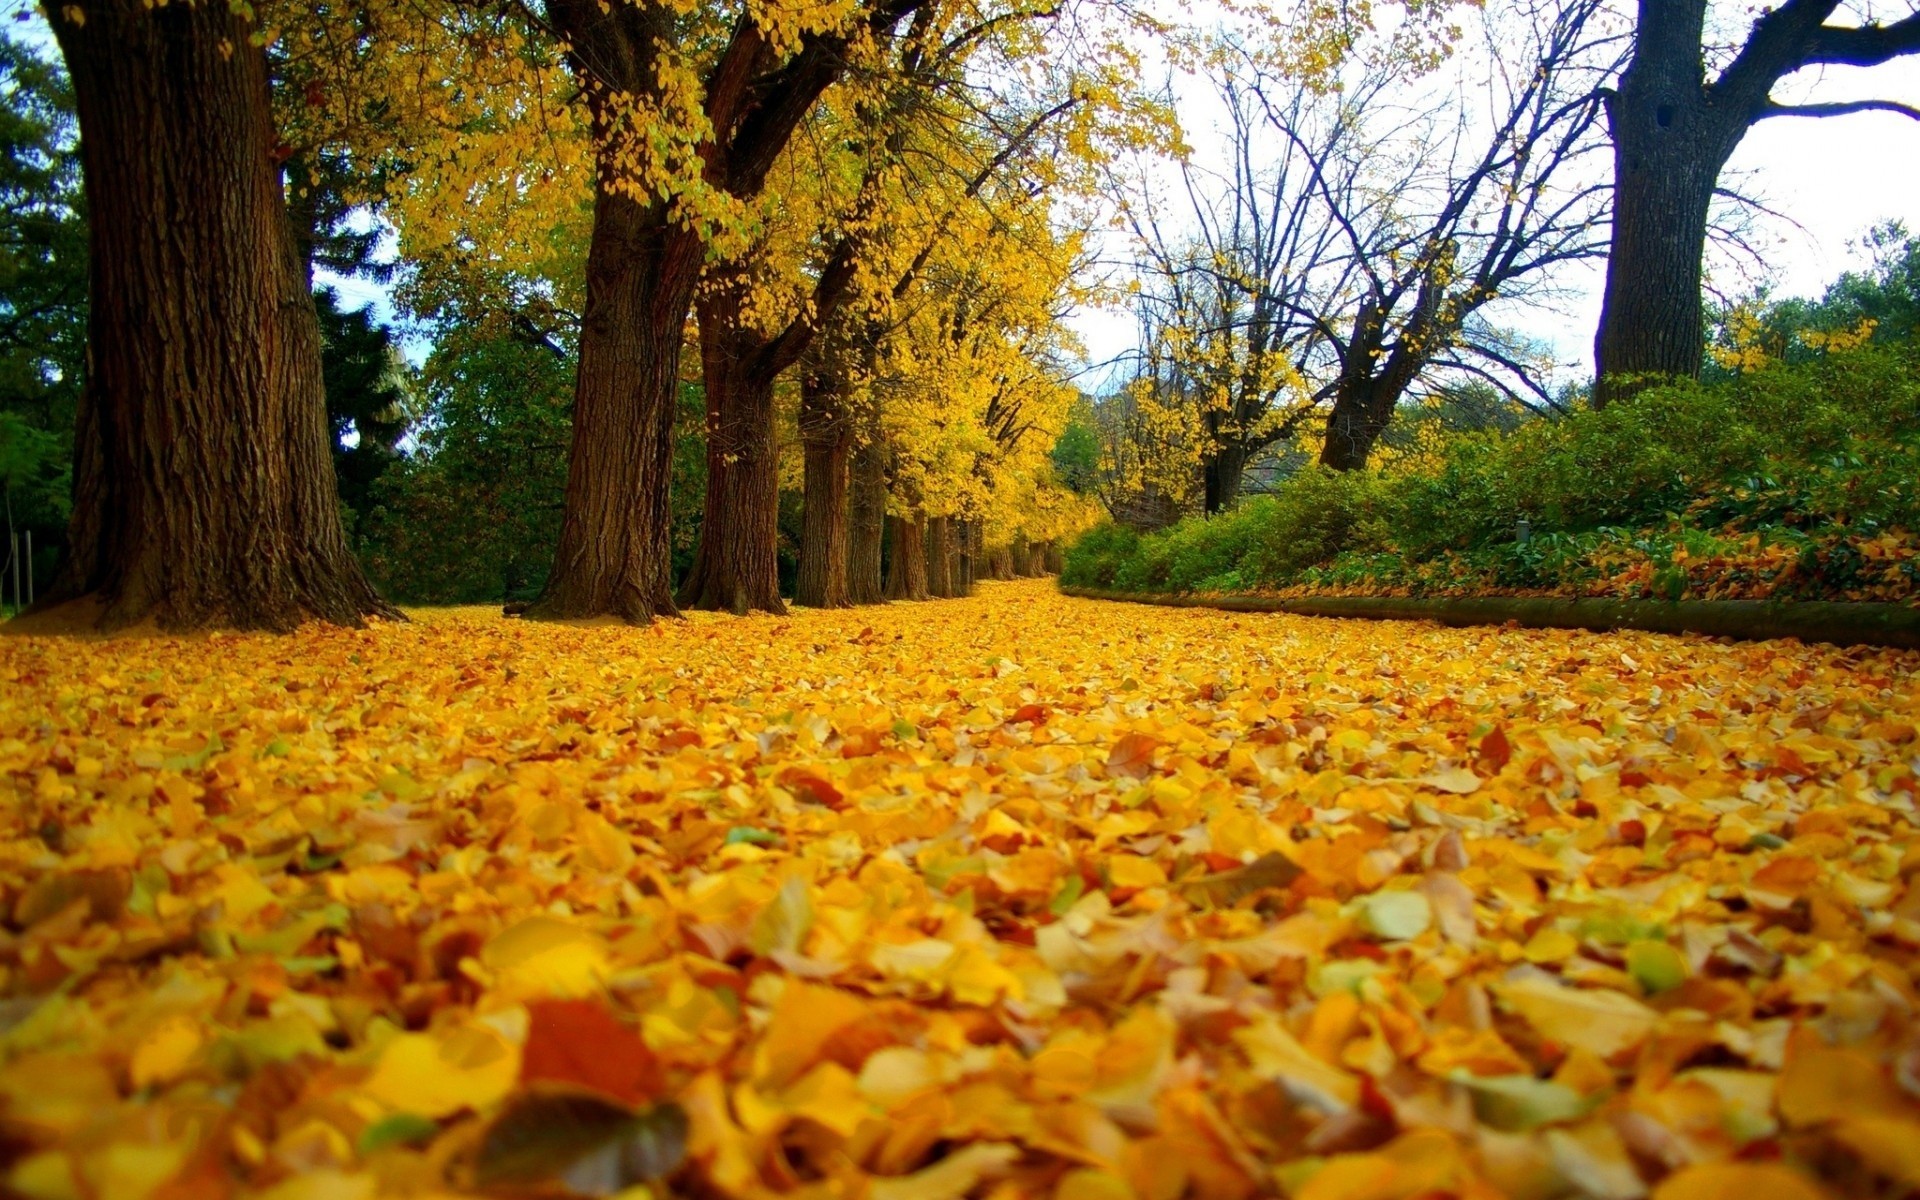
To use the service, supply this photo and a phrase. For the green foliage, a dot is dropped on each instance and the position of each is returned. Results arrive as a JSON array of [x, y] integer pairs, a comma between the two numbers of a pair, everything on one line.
[[369, 397], [1883, 299], [1795, 466], [1076, 455], [473, 514], [43, 291]]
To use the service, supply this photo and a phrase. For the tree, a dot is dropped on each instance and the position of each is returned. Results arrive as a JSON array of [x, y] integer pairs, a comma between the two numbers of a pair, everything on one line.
[[43, 292], [369, 397], [204, 494], [1674, 125], [905, 143], [689, 111], [1345, 249]]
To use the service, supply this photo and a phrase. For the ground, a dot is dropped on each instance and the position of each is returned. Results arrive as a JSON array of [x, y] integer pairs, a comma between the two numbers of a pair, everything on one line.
[[1018, 895]]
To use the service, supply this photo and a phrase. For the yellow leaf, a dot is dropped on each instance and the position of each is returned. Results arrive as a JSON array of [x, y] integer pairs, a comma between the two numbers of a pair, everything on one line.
[[1602, 1022], [547, 956], [432, 1075]]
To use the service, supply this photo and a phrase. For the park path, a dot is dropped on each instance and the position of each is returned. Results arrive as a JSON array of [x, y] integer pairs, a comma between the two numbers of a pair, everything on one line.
[[1018, 892]]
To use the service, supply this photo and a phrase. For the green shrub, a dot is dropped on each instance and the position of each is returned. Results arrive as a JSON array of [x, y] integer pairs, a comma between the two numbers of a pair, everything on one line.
[[1094, 561], [1831, 444]]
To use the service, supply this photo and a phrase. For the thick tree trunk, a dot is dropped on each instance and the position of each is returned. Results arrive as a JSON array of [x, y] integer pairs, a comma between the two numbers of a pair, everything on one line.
[[1651, 319], [204, 490], [615, 556], [939, 554], [963, 557], [1053, 558], [1359, 416], [826, 437], [736, 567], [1670, 140], [1000, 563], [867, 523], [906, 557], [1021, 554]]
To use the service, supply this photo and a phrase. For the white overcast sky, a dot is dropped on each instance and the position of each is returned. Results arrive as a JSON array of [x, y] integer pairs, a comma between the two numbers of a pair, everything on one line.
[[1829, 179]]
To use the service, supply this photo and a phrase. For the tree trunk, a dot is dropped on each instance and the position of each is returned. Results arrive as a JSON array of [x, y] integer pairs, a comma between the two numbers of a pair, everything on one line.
[[1021, 554], [204, 491], [736, 567], [1669, 143], [1223, 474], [1000, 563], [615, 556], [826, 436], [906, 557], [867, 522], [963, 556], [939, 559], [1359, 416], [1053, 559]]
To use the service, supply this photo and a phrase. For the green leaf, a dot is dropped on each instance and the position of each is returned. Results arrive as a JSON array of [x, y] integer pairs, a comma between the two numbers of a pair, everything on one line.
[[905, 731], [400, 1129], [747, 833], [1656, 966], [1518, 1103]]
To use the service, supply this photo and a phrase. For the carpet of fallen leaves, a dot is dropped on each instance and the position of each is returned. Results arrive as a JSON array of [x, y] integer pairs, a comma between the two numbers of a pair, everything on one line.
[[1003, 897]]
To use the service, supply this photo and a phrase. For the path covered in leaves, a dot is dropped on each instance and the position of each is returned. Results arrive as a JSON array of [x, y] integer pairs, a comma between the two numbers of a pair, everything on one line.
[[1011, 896]]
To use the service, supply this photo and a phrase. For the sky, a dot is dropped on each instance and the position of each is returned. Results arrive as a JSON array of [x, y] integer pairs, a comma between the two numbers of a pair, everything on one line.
[[1829, 179]]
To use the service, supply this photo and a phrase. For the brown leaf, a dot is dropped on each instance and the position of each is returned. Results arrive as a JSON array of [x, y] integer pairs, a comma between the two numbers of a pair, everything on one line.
[[105, 892], [1224, 889], [586, 1144], [1030, 714], [814, 788]]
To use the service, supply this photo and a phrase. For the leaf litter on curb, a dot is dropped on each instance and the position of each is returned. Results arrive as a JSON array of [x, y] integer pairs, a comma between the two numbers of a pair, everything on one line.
[[1011, 896]]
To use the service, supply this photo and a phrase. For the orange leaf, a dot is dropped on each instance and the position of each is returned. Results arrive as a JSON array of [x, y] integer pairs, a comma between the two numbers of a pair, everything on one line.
[[1132, 755], [1495, 750], [809, 786], [580, 1042]]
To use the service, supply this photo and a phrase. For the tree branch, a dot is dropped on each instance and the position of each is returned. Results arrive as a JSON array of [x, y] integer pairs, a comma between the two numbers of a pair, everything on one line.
[[1838, 108]]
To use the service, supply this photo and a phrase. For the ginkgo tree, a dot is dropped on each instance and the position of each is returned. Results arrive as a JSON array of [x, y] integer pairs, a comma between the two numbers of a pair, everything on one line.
[[959, 97], [204, 490], [972, 393]]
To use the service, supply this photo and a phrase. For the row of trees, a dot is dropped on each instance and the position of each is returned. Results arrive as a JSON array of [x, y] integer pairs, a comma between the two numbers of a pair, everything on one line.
[[867, 207], [1349, 246]]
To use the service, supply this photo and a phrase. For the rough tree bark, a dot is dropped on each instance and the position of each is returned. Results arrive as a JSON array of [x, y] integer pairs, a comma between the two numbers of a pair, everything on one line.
[[907, 557], [736, 566], [826, 439], [1224, 471], [867, 521], [939, 554], [1000, 563], [1669, 143], [1673, 130], [614, 555], [204, 490]]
